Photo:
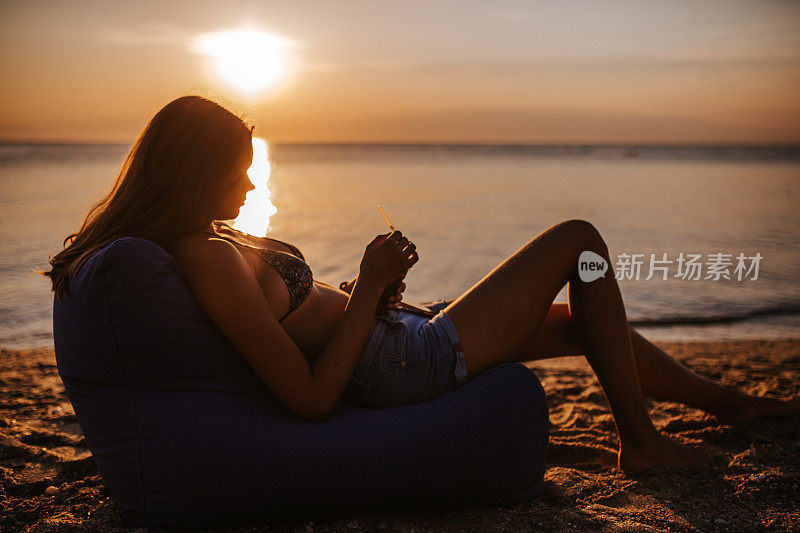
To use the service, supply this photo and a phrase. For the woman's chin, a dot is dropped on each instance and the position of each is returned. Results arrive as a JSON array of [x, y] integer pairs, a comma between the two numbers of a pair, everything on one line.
[[227, 216]]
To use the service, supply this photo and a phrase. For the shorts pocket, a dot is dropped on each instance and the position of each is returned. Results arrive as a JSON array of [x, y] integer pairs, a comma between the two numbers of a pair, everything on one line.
[[394, 352]]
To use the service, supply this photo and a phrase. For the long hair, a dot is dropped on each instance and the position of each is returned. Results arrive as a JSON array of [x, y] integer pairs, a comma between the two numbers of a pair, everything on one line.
[[169, 185]]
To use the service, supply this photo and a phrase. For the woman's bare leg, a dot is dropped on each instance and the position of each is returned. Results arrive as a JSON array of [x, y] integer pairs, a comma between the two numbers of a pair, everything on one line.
[[501, 312], [661, 376], [665, 378]]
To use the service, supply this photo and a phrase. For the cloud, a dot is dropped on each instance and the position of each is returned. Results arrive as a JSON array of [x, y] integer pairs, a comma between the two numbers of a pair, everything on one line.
[[760, 41], [666, 62], [155, 34], [510, 15], [319, 66]]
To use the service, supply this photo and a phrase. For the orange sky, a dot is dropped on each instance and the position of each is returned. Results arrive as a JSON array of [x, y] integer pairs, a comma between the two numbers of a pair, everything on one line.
[[515, 72]]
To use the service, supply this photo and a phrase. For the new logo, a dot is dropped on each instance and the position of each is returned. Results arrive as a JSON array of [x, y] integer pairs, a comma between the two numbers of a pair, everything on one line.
[[591, 266]]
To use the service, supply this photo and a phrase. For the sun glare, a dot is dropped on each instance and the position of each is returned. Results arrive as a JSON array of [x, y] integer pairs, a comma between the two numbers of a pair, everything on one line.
[[254, 215], [249, 61]]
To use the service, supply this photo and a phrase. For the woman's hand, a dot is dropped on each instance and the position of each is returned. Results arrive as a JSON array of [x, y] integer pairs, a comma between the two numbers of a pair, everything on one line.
[[396, 296], [347, 286], [387, 260]]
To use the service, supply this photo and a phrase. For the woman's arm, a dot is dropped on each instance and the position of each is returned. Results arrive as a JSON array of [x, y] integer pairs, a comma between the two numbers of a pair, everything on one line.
[[227, 289], [395, 297]]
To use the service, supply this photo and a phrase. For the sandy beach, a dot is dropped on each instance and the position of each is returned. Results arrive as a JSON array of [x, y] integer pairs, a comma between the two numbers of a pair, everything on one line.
[[752, 481]]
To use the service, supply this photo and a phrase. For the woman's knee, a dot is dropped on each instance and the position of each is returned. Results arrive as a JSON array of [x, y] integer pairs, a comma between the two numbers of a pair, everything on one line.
[[586, 234]]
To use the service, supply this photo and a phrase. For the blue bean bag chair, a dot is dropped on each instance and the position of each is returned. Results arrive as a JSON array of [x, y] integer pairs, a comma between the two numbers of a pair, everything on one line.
[[185, 434]]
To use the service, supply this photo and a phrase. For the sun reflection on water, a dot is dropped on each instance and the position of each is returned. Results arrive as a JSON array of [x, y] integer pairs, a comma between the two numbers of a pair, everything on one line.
[[254, 215]]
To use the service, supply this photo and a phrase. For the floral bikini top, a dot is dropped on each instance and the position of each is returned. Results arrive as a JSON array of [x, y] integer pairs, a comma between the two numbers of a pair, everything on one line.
[[292, 267]]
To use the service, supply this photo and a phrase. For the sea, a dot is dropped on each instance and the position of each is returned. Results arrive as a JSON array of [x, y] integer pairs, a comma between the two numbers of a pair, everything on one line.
[[731, 212]]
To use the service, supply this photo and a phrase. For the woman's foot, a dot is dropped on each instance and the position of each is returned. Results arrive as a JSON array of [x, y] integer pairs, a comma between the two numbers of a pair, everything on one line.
[[752, 407], [660, 451]]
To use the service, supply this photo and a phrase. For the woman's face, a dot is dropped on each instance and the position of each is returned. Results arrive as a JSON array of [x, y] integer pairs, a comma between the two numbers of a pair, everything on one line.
[[238, 185]]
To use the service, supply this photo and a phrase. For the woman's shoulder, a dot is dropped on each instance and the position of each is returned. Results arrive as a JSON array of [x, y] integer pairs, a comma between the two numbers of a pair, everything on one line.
[[201, 248], [213, 269]]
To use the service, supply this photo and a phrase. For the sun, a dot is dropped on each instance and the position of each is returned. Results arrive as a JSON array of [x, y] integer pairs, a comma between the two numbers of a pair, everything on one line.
[[249, 61]]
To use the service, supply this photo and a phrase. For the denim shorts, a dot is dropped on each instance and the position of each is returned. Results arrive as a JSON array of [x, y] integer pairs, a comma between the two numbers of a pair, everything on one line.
[[408, 359]]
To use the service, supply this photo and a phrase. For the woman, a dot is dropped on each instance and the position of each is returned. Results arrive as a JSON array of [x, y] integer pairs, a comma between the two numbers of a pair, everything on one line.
[[313, 344]]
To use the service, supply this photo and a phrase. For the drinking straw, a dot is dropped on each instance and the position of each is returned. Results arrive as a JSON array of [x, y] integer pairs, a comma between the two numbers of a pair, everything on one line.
[[385, 217]]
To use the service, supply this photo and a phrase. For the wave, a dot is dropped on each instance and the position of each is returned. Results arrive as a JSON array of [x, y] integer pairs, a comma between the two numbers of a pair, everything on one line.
[[792, 309], [27, 339]]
